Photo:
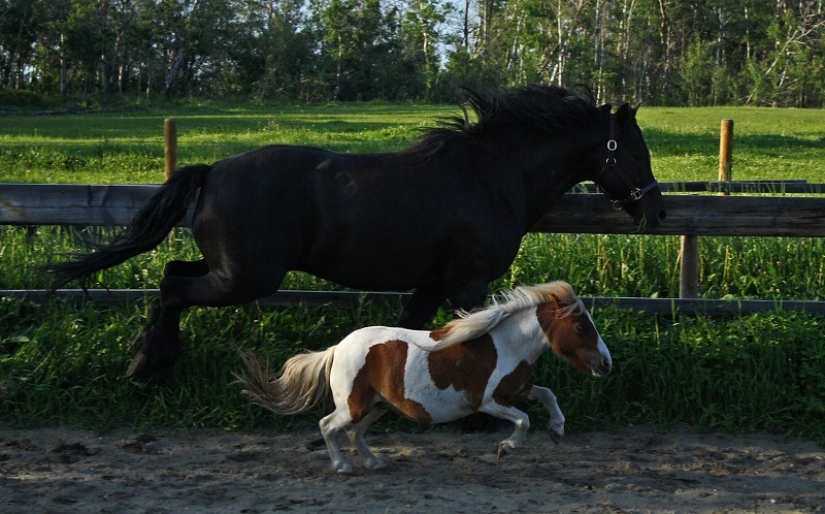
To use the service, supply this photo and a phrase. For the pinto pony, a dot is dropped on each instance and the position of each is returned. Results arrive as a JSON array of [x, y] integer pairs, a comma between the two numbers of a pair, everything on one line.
[[479, 362]]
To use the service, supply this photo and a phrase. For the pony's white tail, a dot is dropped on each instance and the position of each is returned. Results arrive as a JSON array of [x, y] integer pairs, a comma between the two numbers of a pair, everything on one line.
[[300, 385]]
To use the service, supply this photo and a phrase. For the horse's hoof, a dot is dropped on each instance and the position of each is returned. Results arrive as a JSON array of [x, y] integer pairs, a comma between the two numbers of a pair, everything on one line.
[[137, 366], [555, 436], [144, 366]]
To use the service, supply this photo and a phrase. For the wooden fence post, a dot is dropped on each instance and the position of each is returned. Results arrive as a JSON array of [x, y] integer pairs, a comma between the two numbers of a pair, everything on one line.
[[170, 145], [689, 251], [689, 267], [725, 153]]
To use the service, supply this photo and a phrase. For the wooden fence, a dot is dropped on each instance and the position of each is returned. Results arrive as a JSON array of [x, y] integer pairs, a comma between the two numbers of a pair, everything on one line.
[[582, 212], [585, 212]]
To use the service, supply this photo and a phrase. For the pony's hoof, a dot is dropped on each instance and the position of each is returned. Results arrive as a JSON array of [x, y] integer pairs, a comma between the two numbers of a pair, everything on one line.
[[503, 449], [555, 436], [374, 464], [343, 469]]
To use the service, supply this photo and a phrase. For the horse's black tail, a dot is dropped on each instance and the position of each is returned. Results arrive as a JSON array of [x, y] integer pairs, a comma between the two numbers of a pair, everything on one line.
[[149, 227]]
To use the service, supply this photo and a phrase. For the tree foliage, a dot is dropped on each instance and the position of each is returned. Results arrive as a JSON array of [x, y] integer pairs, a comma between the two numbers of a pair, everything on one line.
[[662, 52]]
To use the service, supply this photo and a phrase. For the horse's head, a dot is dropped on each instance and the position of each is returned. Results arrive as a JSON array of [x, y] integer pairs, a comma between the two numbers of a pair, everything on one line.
[[571, 333], [625, 175]]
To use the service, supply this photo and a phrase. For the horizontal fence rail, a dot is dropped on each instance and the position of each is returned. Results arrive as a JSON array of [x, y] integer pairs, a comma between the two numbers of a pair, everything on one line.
[[728, 186], [287, 298], [582, 212], [701, 215]]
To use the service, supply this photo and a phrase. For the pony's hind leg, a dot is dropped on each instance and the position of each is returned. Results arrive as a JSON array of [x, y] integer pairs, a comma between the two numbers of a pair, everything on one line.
[[548, 399], [514, 415], [356, 435], [331, 426]]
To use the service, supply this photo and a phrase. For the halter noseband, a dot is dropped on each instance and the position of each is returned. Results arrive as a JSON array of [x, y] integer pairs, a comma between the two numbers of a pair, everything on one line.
[[611, 164]]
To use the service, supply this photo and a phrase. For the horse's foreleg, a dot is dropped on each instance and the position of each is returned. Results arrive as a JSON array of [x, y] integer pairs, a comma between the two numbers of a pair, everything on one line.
[[470, 296], [548, 399], [513, 415], [356, 435], [420, 308], [330, 427]]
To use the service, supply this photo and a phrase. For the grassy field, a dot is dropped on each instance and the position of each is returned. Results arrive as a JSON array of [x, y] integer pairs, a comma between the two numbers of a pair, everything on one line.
[[65, 364], [127, 147]]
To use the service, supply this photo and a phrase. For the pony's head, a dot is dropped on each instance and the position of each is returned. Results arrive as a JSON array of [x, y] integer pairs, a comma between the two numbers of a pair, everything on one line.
[[570, 330], [625, 175]]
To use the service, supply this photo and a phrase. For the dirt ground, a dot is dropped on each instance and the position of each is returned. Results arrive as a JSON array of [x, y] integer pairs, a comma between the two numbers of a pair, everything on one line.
[[636, 471]]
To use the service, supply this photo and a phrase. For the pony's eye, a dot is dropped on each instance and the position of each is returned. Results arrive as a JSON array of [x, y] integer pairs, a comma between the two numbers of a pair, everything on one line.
[[581, 329]]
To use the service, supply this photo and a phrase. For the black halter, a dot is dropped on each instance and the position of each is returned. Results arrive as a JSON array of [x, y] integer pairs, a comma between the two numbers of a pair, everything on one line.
[[611, 164]]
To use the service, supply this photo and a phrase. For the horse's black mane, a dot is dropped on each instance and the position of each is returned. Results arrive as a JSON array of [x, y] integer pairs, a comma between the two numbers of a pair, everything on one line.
[[549, 109]]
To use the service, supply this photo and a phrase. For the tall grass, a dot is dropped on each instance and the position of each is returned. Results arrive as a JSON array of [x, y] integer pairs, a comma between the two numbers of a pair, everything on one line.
[[64, 364]]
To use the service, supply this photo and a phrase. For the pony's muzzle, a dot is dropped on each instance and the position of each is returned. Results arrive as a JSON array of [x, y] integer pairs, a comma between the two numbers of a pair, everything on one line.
[[600, 364]]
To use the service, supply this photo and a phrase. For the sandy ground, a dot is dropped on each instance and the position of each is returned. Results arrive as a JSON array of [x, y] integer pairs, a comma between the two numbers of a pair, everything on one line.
[[57, 471]]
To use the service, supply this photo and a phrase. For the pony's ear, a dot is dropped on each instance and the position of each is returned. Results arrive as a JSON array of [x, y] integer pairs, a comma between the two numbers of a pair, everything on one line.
[[625, 114]]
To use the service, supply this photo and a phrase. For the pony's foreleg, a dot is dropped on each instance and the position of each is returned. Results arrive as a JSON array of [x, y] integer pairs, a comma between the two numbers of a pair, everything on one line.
[[331, 426], [514, 415], [356, 435], [548, 399]]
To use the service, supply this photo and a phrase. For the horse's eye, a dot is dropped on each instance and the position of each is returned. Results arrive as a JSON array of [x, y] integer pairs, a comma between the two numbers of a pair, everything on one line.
[[581, 329]]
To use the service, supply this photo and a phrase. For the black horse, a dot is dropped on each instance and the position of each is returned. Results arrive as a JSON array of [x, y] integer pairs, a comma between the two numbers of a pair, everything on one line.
[[444, 216]]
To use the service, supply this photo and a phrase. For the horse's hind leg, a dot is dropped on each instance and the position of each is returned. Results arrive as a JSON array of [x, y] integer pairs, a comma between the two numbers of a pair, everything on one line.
[[185, 284], [331, 426], [356, 435], [160, 340]]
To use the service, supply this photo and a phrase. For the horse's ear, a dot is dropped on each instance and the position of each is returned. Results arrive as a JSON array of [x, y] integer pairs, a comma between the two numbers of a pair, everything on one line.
[[625, 114]]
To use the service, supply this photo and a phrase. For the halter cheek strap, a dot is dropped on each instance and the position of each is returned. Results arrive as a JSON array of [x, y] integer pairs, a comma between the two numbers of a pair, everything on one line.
[[611, 142], [610, 163]]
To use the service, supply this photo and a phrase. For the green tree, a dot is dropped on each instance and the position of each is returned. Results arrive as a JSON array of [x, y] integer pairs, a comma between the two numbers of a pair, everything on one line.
[[19, 26], [421, 33]]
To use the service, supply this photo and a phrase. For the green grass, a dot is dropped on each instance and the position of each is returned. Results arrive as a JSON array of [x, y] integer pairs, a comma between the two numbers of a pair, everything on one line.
[[128, 147], [62, 364], [768, 144]]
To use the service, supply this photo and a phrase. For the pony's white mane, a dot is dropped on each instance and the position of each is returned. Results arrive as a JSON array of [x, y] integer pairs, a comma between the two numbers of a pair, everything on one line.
[[471, 325]]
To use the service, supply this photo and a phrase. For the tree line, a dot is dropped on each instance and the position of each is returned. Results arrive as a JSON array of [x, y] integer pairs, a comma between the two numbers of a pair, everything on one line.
[[661, 52]]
